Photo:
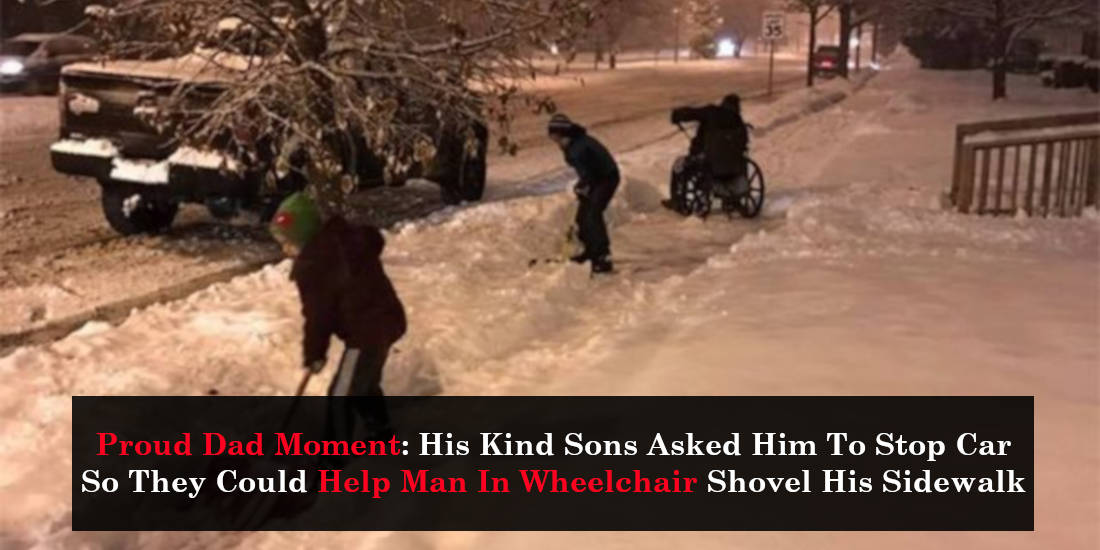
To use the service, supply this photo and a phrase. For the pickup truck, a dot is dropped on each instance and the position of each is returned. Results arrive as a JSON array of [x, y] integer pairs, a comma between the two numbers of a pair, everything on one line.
[[107, 133]]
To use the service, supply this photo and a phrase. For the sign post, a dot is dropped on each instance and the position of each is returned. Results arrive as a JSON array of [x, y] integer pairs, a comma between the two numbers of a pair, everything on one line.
[[774, 28]]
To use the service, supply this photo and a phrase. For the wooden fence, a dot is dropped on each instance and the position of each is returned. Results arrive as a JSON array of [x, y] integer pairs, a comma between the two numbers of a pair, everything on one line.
[[1043, 166]]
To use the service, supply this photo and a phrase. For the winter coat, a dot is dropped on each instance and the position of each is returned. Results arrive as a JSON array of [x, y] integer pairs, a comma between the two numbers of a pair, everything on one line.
[[593, 163], [345, 291], [722, 138]]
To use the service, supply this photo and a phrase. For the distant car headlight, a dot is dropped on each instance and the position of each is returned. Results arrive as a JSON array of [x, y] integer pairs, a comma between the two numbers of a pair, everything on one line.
[[11, 67], [726, 48]]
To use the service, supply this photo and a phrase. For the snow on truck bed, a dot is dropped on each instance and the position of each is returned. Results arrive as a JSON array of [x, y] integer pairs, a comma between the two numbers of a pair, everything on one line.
[[855, 282]]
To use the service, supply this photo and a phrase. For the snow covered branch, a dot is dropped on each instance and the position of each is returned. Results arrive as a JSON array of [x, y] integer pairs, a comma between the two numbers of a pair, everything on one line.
[[313, 74]]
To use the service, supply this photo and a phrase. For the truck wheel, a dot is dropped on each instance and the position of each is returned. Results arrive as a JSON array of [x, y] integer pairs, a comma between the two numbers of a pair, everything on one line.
[[222, 208], [130, 212], [470, 185]]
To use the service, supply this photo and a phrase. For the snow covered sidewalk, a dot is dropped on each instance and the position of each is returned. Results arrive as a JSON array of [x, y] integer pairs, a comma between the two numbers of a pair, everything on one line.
[[855, 282]]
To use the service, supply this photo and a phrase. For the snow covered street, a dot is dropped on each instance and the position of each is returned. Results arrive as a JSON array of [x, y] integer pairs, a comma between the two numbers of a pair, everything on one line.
[[854, 282]]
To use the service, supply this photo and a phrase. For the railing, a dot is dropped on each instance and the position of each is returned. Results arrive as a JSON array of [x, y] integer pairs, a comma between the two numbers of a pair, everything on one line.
[[1044, 166]]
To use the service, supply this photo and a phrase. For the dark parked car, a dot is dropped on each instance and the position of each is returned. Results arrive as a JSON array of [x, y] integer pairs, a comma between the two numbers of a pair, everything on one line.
[[827, 61], [32, 62], [107, 133]]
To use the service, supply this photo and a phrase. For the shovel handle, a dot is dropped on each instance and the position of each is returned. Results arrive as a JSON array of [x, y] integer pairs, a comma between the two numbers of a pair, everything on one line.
[[297, 397]]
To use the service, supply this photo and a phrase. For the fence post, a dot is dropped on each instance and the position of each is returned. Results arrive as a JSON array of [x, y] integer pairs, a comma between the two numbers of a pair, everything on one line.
[[957, 172], [1092, 185], [964, 194], [1048, 172]]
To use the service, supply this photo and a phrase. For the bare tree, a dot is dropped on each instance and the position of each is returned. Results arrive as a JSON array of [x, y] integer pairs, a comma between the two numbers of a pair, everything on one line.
[[1003, 22], [817, 10], [853, 14], [614, 19], [704, 15], [314, 75]]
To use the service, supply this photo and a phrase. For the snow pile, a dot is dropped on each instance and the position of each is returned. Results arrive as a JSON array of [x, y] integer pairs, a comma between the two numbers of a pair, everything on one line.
[[85, 147], [860, 221], [902, 60], [797, 104], [202, 158]]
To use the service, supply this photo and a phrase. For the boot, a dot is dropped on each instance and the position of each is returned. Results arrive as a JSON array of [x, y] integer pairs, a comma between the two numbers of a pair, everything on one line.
[[579, 258], [602, 265]]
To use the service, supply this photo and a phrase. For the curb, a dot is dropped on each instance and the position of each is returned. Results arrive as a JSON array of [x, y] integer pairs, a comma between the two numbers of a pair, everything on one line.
[[118, 311], [830, 99]]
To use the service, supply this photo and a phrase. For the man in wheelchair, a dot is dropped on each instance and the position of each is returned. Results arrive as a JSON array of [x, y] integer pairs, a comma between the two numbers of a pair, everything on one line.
[[716, 165]]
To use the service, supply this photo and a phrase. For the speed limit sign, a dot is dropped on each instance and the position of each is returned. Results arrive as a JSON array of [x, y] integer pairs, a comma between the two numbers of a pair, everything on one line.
[[775, 25], [775, 29]]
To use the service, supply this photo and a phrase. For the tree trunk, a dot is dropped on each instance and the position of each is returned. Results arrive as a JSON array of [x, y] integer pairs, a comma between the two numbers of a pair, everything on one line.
[[613, 60], [1000, 51], [1000, 71], [874, 42], [845, 10], [813, 46], [859, 44]]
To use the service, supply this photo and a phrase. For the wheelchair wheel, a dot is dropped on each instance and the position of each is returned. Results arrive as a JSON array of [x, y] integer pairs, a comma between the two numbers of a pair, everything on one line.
[[696, 193], [751, 203]]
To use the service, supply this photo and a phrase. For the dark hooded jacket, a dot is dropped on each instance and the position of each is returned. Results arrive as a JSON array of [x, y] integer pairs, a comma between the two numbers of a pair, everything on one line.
[[345, 291], [722, 137], [592, 161]]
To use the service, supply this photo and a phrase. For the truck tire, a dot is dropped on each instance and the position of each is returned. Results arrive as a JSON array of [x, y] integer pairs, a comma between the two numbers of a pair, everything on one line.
[[472, 186], [131, 212], [469, 185]]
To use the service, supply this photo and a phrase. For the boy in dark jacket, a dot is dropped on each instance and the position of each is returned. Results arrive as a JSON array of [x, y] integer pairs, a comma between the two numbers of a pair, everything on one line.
[[344, 292], [598, 178]]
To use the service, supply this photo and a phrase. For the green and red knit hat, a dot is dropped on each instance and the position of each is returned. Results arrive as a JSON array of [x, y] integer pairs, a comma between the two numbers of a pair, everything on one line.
[[297, 220]]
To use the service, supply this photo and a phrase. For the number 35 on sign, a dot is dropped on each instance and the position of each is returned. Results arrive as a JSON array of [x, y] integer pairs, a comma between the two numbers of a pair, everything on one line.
[[775, 25]]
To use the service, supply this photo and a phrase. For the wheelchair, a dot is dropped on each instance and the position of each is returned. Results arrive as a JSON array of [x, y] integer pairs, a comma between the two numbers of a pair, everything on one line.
[[695, 191]]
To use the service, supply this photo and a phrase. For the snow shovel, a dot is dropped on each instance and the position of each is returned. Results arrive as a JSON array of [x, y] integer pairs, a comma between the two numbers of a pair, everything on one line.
[[297, 398], [257, 509], [569, 245]]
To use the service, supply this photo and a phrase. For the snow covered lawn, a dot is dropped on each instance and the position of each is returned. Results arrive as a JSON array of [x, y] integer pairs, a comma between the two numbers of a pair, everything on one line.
[[854, 283]]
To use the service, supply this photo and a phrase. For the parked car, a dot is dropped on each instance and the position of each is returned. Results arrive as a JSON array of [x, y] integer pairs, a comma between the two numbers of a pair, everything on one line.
[[144, 173], [827, 61], [1065, 70], [32, 62], [704, 46]]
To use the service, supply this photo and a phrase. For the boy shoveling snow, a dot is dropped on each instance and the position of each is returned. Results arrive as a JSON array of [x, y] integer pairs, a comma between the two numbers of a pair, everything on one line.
[[598, 178], [344, 292]]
